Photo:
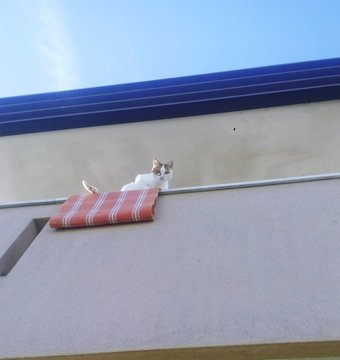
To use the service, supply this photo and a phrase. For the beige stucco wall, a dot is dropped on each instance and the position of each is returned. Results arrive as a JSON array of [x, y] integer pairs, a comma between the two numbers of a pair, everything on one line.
[[213, 269], [239, 146]]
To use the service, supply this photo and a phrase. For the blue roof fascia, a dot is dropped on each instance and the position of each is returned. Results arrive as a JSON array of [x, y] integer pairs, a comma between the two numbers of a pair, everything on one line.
[[247, 89]]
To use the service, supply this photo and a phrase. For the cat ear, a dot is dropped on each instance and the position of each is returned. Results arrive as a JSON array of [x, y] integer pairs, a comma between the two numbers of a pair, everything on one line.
[[156, 162], [170, 164]]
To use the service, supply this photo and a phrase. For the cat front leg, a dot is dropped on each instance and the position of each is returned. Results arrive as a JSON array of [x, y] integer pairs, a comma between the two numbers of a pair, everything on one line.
[[164, 185]]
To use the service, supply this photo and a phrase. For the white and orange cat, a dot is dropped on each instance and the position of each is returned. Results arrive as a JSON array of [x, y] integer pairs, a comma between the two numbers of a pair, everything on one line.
[[159, 177]]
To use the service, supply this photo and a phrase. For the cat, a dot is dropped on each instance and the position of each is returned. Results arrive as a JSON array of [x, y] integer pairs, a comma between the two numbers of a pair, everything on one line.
[[159, 177]]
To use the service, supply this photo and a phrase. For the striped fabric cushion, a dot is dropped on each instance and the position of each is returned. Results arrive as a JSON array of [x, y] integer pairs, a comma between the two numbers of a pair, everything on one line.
[[106, 208]]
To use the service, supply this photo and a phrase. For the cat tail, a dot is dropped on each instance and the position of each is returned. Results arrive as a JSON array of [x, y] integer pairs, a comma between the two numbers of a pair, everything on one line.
[[89, 188]]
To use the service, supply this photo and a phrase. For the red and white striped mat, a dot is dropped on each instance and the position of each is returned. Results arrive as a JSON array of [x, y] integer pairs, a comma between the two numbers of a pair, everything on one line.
[[106, 208]]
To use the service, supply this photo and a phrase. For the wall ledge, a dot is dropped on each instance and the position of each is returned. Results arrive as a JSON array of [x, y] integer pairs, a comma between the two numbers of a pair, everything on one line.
[[195, 189]]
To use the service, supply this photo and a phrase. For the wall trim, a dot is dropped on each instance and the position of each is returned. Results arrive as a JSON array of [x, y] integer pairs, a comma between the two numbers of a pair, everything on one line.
[[269, 351], [195, 189], [263, 87]]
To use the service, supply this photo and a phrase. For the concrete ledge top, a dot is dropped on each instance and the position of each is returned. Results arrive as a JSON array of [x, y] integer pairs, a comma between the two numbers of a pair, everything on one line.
[[192, 189]]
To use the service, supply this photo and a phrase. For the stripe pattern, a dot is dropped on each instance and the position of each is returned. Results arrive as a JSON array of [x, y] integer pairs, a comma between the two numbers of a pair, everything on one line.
[[106, 208]]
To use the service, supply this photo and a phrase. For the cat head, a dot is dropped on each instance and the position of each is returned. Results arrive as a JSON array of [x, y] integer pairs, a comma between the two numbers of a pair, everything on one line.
[[163, 171]]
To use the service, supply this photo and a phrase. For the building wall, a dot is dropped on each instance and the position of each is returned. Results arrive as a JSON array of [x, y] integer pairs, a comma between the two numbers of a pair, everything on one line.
[[221, 148], [241, 273]]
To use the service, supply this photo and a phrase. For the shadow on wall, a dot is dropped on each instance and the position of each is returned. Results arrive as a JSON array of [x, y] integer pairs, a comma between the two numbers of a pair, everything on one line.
[[20, 245]]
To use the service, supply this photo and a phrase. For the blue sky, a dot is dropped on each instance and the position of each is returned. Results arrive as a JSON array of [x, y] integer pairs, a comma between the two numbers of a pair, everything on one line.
[[53, 45]]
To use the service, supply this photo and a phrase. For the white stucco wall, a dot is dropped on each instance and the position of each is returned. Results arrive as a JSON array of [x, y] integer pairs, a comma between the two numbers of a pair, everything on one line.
[[239, 146]]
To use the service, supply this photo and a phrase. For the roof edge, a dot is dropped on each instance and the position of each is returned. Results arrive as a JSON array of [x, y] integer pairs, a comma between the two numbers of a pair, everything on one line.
[[236, 90]]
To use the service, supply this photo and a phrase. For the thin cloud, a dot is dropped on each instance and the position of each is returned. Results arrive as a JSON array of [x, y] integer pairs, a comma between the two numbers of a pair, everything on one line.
[[54, 44]]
